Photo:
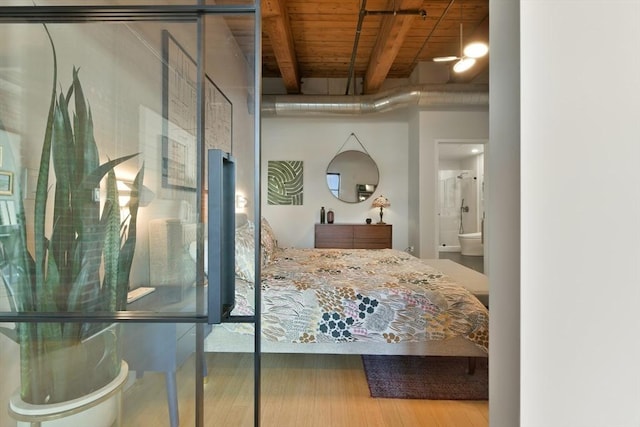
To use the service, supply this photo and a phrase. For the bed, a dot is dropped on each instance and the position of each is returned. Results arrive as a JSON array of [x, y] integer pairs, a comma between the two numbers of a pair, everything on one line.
[[349, 301], [327, 301]]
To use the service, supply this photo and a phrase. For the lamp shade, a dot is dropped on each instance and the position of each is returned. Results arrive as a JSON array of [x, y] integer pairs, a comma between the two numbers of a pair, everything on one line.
[[146, 196], [380, 202]]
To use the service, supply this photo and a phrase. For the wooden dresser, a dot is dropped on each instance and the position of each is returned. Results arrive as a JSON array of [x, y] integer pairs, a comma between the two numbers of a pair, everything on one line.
[[353, 236]]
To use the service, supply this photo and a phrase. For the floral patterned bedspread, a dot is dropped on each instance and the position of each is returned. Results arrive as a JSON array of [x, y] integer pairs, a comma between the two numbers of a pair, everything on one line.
[[344, 295]]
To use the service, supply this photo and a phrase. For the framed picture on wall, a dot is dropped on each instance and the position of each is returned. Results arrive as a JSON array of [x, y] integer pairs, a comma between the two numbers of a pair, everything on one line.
[[285, 182], [179, 162], [179, 102], [6, 183]]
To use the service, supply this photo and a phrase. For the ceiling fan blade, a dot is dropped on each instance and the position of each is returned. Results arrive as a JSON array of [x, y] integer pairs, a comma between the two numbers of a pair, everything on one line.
[[445, 58]]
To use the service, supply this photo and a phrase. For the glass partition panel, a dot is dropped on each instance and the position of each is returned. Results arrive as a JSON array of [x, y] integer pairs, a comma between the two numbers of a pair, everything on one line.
[[125, 2], [104, 130], [110, 203], [146, 377], [101, 197]]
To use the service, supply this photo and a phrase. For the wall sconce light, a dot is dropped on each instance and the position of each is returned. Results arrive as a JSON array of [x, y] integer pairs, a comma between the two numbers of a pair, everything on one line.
[[241, 202], [124, 194]]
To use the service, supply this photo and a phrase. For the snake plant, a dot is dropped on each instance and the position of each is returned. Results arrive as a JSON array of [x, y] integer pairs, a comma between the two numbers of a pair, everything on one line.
[[80, 261]]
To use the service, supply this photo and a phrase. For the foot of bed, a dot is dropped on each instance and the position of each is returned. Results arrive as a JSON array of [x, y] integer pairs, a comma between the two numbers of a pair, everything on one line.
[[471, 368]]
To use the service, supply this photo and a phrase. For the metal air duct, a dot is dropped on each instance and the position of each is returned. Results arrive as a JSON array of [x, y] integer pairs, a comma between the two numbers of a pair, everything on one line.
[[421, 96]]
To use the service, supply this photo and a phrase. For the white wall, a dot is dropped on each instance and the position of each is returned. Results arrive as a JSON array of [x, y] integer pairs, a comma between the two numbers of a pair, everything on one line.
[[413, 172], [503, 216], [580, 209], [316, 141], [405, 180]]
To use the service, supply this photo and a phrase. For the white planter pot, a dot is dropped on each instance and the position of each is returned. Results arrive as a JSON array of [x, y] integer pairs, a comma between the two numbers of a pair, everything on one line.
[[102, 408]]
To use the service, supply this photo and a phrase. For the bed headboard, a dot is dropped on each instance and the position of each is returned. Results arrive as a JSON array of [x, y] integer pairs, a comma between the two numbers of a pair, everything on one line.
[[169, 262]]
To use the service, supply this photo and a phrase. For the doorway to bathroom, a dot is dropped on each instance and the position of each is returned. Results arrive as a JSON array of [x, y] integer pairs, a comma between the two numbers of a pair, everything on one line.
[[460, 199]]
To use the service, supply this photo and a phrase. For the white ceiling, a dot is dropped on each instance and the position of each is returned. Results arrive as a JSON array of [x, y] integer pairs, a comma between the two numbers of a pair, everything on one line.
[[456, 152]]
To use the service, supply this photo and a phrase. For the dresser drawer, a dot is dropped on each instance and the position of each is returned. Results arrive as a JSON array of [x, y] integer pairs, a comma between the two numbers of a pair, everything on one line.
[[353, 236], [372, 236], [334, 236]]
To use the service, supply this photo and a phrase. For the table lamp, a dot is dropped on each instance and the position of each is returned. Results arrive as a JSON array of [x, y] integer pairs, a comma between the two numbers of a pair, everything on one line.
[[381, 202]]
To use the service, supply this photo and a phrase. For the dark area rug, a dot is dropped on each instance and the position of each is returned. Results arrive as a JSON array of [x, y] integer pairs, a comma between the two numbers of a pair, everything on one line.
[[426, 377]]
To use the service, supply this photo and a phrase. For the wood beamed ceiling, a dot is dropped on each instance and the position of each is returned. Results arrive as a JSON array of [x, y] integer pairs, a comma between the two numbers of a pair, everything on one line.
[[316, 39]]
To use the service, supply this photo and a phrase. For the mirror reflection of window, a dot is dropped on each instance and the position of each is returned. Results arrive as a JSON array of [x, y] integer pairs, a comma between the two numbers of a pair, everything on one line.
[[333, 182], [358, 176]]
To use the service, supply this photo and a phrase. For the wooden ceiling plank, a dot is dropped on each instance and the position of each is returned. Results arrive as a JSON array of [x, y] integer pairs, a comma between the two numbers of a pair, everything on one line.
[[393, 31], [323, 33], [275, 23]]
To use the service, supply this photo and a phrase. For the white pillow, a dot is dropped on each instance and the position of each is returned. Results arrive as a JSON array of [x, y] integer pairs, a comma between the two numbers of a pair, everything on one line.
[[245, 253]]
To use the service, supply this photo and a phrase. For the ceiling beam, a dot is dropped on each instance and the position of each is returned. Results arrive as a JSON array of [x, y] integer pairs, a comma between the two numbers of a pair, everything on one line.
[[275, 23], [393, 31]]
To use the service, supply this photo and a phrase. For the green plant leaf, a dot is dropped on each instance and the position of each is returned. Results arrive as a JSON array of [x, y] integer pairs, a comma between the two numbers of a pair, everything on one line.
[[43, 181], [111, 244], [87, 158], [83, 267], [128, 248], [62, 237]]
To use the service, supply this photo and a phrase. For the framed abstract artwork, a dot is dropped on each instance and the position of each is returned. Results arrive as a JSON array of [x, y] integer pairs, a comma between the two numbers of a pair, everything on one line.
[[285, 182]]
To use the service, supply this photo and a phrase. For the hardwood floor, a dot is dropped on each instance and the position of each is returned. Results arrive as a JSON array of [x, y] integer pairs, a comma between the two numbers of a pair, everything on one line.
[[297, 390]]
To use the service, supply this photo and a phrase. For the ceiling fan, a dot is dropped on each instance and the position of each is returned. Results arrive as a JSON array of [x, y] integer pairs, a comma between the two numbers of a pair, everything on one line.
[[468, 54]]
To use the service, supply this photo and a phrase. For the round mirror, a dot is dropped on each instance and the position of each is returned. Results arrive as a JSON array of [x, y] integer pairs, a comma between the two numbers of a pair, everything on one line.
[[352, 176]]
